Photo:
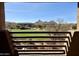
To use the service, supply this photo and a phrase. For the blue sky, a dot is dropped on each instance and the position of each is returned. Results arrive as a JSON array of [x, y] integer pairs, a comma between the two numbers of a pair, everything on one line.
[[32, 12]]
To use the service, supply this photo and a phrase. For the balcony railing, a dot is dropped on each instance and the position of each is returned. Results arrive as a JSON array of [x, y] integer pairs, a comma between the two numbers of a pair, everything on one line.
[[54, 43]]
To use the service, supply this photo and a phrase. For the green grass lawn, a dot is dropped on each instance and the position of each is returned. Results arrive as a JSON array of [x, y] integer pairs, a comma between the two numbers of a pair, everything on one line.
[[27, 30], [26, 34]]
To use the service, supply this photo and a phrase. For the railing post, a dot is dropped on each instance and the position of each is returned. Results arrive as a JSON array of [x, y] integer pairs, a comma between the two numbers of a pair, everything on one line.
[[6, 46], [78, 16], [2, 16]]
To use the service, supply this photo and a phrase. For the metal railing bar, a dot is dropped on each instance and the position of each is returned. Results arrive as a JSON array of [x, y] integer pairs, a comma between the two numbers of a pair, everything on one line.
[[39, 53], [38, 50], [43, 41], [40, 46], [43, 46]]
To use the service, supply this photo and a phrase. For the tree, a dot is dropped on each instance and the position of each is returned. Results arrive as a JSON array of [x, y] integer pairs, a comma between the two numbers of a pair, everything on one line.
[[40, 24], [57, 26], [74, 26], [11, 25], [51, 26]]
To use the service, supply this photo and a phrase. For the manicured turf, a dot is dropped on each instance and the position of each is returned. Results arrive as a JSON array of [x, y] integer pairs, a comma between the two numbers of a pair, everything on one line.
[[32, 34]]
